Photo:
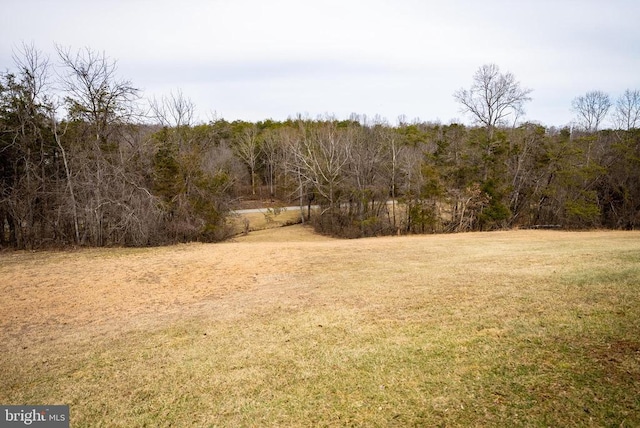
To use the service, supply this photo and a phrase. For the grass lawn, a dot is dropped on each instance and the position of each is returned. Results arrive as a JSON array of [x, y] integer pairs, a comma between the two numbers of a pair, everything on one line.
[[283, 327]]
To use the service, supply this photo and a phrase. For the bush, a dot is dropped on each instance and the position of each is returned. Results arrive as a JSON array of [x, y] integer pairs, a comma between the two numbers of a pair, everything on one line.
[[345, 225]]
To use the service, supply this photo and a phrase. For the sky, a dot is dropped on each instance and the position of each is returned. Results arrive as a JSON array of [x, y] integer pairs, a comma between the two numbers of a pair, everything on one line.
[[255, 60]]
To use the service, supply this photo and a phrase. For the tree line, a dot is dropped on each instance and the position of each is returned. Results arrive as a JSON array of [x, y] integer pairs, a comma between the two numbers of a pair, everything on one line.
[[84, 160]]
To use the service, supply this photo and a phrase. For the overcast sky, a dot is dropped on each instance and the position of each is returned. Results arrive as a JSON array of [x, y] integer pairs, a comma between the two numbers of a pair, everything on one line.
[[253, 59]]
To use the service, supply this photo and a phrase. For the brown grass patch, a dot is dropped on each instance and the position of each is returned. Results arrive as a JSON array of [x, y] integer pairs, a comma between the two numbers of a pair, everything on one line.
[[284, 327], [275, 218]]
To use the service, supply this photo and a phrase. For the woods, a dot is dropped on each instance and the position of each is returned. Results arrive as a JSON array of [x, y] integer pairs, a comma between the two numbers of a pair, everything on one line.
[[85, 160]]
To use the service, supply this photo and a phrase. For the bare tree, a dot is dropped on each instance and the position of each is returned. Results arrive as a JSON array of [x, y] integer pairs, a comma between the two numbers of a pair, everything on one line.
[[591, 109], [366, 181], [493, 97], [627, 113], [100, 104], [271, 151], [392, 167], [322, 155], [173, 110], [58, 134], [248, 149], [35, 70], [95, 93]]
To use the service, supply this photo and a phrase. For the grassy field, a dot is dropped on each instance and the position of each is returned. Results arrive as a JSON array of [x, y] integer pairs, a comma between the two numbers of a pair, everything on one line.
[[283, 327], [271, 219]]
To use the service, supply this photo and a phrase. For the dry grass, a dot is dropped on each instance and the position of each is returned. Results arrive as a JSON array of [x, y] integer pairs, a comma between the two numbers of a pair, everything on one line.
[[286, 328], [264, 220]]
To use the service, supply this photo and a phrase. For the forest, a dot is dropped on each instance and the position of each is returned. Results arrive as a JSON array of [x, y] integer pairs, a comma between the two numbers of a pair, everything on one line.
[[85, 160]]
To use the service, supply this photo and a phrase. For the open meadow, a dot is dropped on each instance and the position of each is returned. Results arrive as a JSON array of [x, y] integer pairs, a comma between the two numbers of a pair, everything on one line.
[[284, 327]]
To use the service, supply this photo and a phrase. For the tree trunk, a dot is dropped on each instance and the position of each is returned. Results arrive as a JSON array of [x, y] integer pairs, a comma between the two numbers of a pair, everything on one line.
[[67, 172]]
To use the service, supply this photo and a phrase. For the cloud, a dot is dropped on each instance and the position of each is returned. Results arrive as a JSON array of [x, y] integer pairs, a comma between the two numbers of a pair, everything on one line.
[[257, 59]]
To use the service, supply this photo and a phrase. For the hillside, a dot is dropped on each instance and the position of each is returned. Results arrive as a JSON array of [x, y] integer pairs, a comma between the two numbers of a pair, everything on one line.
[[284, 327]]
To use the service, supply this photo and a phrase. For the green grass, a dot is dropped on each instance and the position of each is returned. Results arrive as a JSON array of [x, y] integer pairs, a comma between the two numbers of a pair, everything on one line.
[[462, 330]]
